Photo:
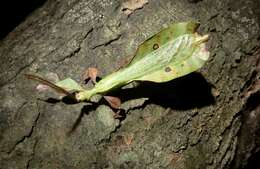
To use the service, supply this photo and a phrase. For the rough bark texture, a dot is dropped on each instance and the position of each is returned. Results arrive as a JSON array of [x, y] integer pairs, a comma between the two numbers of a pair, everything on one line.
[[207, 120]]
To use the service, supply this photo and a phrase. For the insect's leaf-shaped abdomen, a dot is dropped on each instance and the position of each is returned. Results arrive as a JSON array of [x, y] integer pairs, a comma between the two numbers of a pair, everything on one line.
[[168, 34]]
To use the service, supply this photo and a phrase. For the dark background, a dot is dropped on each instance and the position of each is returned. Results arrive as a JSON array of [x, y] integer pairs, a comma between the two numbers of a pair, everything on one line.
[[13, 12]]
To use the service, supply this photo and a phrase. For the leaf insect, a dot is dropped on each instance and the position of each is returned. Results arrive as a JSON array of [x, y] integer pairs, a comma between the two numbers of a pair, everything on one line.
[[173, 52]]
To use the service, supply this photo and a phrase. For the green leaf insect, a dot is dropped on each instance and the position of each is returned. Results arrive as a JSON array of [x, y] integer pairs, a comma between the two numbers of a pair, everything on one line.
[[173, 52]]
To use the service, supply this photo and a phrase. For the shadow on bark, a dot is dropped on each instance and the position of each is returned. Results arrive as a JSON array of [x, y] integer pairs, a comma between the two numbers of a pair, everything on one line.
[[188, 92]]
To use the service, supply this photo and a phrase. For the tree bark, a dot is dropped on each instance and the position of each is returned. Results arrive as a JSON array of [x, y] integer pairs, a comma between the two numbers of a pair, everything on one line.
[[209, 119]]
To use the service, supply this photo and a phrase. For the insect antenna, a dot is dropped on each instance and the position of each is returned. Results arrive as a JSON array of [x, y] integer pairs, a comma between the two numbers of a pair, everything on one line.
[[47, 83]]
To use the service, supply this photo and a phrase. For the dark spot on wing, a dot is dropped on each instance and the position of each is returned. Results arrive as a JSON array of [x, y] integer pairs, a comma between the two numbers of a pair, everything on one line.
[[155, 46], [167, 69]]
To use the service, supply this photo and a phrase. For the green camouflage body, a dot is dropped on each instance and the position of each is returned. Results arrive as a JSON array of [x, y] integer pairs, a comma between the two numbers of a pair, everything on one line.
[[174, 52]]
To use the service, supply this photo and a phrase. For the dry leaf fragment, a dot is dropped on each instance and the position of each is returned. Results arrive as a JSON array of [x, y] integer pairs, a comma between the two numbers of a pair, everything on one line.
[[128, 139], [130, 6], [114, 102], [91, 73]]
